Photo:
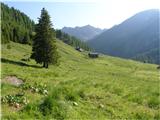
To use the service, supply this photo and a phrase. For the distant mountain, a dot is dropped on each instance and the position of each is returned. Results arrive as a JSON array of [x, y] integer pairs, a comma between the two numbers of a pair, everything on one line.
[[84, 33], [136, 36]]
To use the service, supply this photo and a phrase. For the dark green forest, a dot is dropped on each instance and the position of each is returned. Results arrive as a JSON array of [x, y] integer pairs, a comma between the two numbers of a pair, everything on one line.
[[151, 56], [15, 26], [18, 27], [71, 40]]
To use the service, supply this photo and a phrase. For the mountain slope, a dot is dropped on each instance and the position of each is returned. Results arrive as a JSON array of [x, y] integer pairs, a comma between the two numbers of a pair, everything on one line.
[[84, 33], [151, 56], [16, 26], [80, 87], [136, 35]]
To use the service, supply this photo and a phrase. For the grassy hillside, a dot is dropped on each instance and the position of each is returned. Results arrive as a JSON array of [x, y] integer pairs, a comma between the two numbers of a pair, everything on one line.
[[81, 88]]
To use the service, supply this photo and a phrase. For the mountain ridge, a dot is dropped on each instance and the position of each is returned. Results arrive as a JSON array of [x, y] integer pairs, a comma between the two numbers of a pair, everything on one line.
[[136, 35], [79, 87], [84, 32]]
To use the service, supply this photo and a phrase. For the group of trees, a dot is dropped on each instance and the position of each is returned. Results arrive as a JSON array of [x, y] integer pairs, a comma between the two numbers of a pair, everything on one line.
[[15, 26], [18, 27], [71, 40], [151, 56]]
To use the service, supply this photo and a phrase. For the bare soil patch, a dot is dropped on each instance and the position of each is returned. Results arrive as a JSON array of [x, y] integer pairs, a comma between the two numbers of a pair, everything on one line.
[[13, 80]]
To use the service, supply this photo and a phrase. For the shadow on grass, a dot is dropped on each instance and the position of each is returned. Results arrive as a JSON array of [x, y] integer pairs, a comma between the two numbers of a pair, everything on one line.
[[4, 60]]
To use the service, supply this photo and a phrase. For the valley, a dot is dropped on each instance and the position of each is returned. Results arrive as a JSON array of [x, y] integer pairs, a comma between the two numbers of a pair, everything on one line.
[[103, 88], [78, 73]]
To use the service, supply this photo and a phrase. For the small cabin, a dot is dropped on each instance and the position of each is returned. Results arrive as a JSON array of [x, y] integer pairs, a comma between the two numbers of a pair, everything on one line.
[[93, 55], [79, 49]]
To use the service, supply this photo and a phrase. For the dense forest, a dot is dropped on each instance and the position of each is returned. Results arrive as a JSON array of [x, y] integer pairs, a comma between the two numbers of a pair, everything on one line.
[[151, 56], [18, 27], [71, 40], [15, 26]]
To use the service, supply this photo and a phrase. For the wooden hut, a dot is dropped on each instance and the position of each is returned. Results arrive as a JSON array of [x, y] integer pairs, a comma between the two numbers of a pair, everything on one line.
[[93, 55], [79, 49]]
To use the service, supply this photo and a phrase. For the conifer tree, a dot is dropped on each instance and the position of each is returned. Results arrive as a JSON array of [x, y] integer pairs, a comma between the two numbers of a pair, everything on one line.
[[44, 43]]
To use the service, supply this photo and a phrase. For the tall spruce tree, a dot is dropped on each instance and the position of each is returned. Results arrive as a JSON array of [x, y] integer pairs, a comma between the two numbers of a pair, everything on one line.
[[44, 43]]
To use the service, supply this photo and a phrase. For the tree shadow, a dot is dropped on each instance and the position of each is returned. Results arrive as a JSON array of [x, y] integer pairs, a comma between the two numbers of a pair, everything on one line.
[[4, 60]]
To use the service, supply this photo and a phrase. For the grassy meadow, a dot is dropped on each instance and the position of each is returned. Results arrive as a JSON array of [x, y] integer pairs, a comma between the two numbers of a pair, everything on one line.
[[80, 87]]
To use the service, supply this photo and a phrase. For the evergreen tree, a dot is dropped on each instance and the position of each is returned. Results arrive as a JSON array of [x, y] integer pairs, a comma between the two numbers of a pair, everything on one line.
[[71, 40], [15, 25], [44, 43]]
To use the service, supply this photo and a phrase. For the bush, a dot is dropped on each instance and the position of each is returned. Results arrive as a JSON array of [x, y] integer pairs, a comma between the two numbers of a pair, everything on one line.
[[53, 108], [59, 110], [47, 106], [8, 46], [71, 96], [81, 94], [157, 116], [64, 92], [154, 102]]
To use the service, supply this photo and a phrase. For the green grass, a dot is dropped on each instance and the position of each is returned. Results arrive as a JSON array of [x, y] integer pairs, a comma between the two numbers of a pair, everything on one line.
[[103, 88]]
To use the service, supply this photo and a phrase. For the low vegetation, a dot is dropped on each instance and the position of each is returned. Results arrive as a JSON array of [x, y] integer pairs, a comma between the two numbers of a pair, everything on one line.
[[79, 88]]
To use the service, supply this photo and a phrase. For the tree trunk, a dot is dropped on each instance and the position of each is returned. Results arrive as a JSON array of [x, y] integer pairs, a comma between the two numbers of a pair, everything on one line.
[[44, 64]]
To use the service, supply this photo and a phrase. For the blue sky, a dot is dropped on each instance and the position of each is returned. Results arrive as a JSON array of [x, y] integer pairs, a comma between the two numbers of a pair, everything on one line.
[[102, 13]]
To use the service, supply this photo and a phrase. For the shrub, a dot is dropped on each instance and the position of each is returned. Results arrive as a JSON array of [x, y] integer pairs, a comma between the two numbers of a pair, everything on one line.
[[154, 102], [71, 95], [8, 46], [66, 93], [53, 108], [157, 116], [59, 110], [81, 94], [47, 106]]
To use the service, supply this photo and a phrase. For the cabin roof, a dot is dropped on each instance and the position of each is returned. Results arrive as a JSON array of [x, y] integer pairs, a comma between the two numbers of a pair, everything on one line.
[[93, 53]]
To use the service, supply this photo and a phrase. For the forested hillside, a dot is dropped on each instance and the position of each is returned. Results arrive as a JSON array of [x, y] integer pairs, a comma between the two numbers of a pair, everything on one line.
[[78, 87], [16, 26], [151, 56], [71, 40]]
